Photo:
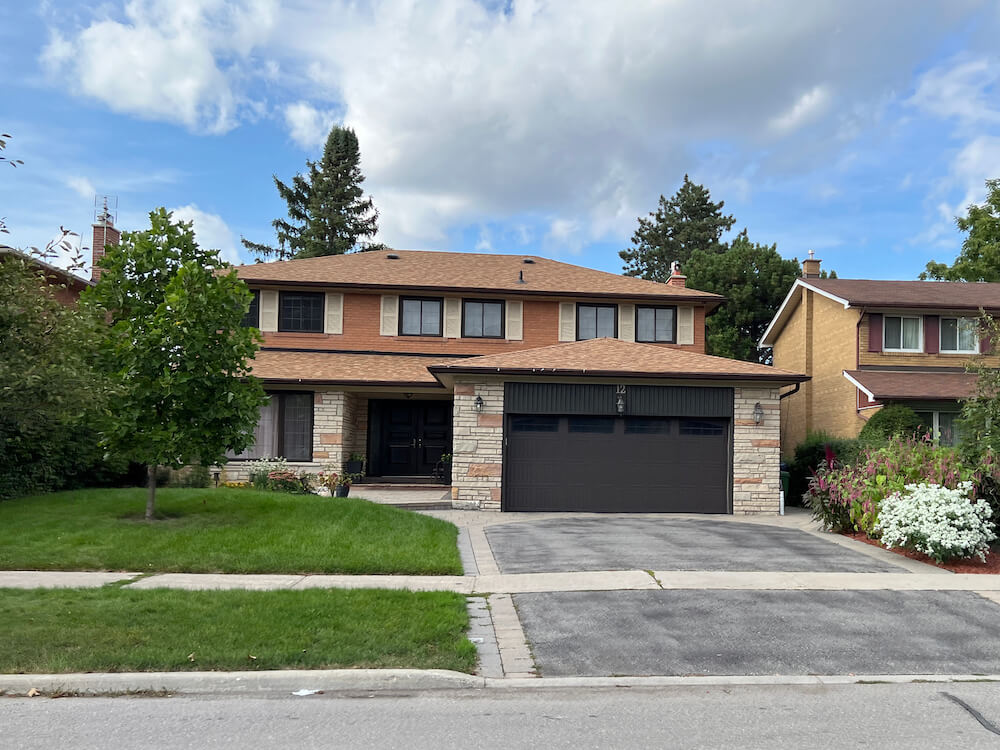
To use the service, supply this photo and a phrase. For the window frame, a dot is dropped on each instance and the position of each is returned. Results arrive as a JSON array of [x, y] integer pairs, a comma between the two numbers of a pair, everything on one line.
[[654, 340], [920, 334], [935, 426], [503, 317], [255, 308], [613, 306], [283, 328], [439, 300], [280, 419], [958, 335]]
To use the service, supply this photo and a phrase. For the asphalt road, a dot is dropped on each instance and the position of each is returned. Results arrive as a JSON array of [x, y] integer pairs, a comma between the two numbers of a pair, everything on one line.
[[684, 632], [666, 543], [857, 716]]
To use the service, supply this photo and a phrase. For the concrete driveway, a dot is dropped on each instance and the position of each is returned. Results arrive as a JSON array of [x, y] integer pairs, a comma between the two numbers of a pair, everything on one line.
[[574, 543], [760, 632]]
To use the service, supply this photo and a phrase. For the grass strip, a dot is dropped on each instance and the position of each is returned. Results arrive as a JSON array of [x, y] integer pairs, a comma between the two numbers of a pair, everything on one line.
[[118, 630], [222, 531]]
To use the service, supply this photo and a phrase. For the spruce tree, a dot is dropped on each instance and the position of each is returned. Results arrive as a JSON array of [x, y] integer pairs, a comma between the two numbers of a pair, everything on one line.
[[328, 213], [688, 221]]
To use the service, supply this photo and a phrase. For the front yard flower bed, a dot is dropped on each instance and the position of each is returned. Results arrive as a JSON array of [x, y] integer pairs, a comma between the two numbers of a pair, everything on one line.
[[971, 565]]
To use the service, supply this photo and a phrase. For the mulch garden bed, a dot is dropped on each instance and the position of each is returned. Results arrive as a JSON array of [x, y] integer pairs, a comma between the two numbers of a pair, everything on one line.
[[991, 566]]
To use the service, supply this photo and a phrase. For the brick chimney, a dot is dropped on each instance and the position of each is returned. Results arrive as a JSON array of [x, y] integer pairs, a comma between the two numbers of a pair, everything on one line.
[[810, 267], [676, 277], [104, 234]]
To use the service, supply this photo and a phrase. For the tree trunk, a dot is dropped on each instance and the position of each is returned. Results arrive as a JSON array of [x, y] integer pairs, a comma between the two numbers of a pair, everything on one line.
[[151, 497]]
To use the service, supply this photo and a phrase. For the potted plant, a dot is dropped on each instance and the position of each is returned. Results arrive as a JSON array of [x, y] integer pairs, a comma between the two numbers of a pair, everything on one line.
[[355, 464], [338, 482], [442, 471]]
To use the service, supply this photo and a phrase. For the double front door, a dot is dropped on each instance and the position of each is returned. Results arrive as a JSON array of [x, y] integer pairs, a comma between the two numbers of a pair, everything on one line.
[[412, 436]]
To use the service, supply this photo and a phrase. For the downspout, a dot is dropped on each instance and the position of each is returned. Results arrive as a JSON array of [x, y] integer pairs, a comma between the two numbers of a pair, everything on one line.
[[857, 359], [781, 495], [789, 393]]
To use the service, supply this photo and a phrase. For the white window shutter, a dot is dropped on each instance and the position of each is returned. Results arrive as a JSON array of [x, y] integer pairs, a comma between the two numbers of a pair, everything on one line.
[[268, 310], [626, 322], [452, 318], [515, 321], [334, 313], [389, 315], [567, 321], [685, 325]]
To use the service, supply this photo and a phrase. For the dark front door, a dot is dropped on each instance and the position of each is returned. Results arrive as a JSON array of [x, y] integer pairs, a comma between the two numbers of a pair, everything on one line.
[[616, 464], [411, 436]]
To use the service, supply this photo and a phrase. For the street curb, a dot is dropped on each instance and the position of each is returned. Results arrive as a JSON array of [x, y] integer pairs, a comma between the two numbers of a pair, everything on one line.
[[316, 681]]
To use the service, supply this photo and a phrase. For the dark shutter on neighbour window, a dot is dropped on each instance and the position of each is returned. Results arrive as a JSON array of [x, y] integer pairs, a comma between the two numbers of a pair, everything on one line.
[[874, 332], [931, 326]]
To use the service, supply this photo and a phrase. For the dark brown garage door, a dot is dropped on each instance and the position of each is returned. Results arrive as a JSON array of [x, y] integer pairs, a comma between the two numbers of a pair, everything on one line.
[[616, 464]]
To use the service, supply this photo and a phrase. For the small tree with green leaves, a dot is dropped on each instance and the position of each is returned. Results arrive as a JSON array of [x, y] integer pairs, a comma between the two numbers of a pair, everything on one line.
[[328, 213], [979, 426], [176, 350], [979, 259]]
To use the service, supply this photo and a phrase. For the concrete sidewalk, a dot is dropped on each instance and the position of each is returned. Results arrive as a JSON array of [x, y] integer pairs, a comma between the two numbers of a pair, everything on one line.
[[518, 583]]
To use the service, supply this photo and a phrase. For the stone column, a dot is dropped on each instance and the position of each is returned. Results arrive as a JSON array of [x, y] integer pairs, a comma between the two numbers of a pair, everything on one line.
[[477, 445], [756, 451]]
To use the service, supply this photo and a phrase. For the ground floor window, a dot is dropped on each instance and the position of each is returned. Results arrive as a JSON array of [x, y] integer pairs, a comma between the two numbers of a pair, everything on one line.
[[284, 429], [942, 426]]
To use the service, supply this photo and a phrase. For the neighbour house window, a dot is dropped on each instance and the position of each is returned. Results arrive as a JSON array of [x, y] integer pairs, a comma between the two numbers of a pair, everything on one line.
[[300, 312], [941, 425], [902, 334], [596, 321], [420, 317], [656, 324], [252, 317], [284, 428], [959, 335], [482, 319]]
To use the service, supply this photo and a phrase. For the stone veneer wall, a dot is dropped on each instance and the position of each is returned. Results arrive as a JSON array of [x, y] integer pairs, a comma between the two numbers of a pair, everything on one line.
[[333, 435], [477, 446], [756, 449]]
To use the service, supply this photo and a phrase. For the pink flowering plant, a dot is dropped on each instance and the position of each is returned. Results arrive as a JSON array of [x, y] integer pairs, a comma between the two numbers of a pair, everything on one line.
[[844, 497]]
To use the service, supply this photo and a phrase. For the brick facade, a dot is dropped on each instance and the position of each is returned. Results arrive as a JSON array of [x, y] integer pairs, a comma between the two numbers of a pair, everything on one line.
[[756, 449]]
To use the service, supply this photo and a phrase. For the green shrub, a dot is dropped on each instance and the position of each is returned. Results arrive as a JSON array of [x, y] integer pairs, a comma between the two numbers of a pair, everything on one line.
[[810, 455], [894, 420]]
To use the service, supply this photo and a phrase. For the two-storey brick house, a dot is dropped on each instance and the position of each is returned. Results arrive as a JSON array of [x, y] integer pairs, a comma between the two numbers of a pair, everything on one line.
[[867, 343], [554, 387]]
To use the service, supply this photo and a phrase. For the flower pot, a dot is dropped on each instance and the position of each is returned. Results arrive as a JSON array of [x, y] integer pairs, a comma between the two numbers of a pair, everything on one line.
[[342, 491], [354, 467]]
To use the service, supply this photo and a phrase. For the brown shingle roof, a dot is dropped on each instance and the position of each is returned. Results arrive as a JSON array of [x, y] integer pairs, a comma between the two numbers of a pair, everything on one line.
[[343, 369], [947, 295], [893, 385], [468, 272], [615, 358]]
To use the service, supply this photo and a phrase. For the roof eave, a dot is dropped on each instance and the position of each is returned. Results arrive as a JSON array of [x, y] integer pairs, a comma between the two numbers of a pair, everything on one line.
[[782, 378]]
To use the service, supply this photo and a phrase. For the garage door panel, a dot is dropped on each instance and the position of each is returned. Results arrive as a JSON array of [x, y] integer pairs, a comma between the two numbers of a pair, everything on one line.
[[617, 464]]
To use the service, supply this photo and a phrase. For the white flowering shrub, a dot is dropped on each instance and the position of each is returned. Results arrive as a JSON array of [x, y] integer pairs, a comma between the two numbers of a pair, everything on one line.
[[259, 471], [942, 523]]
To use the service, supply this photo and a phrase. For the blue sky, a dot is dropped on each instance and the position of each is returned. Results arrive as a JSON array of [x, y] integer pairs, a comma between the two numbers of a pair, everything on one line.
[[523, 127]]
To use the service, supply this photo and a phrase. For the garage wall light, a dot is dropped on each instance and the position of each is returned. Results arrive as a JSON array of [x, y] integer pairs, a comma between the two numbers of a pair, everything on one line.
[[478, 404], [758, 413]]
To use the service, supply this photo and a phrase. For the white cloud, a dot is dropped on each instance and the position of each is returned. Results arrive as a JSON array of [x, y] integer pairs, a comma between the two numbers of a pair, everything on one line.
[[807, 108], [170, 60], [83, 187], [210, 230], [963, 89], [308, 126]]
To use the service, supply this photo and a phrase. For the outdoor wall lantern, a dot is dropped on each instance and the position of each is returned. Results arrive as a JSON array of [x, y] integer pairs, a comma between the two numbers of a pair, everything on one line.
[[758, 413], [478, 404], [620, 400], [216, 474]]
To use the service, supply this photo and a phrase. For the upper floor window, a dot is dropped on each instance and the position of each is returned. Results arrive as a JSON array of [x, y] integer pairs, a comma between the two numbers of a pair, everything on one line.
[[656, 324], [596, 321], [300, 312], [901, 333], [420, 317], [959, 335], [482, 319], [252, 317]]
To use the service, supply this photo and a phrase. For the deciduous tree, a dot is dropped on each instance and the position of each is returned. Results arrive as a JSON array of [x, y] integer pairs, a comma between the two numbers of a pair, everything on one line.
[[979, 259], [176, 350]]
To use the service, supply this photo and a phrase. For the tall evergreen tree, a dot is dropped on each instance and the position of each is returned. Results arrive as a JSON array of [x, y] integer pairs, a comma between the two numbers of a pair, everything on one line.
[[328, 213], [686, 222]]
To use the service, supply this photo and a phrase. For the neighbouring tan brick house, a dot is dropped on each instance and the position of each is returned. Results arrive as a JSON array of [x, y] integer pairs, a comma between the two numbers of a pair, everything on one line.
[[867, 343], [555, 387]]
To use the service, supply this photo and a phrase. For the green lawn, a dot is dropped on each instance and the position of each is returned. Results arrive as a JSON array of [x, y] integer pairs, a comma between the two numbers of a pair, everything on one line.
[[118, 630], [221, 530]]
